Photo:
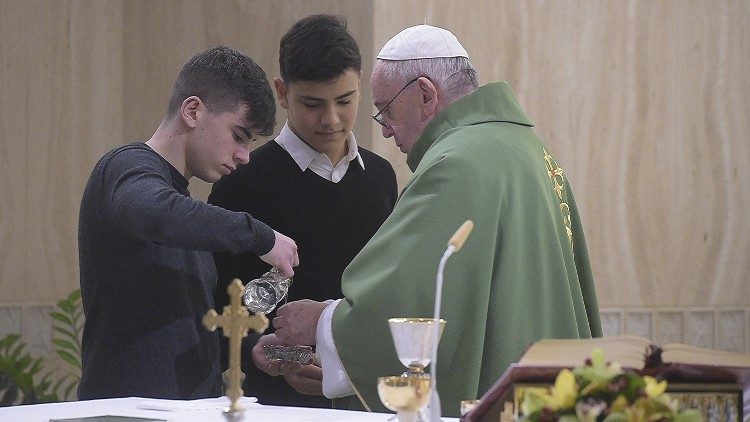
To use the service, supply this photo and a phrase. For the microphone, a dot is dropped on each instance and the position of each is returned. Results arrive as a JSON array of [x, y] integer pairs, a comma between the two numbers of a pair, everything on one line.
[[459, 237]]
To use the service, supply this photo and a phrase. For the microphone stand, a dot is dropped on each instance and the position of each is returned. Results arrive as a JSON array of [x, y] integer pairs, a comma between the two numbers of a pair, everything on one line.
[[454, 244]]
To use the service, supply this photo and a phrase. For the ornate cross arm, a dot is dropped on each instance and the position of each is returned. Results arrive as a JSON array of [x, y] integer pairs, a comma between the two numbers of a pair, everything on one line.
[[235, 321]]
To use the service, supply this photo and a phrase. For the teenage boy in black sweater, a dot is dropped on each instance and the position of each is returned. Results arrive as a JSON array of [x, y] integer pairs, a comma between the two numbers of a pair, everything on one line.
[[147, 275], [313, 182]]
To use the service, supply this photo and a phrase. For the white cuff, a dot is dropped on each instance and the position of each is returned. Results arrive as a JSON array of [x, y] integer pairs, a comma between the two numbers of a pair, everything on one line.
[[335, 381]]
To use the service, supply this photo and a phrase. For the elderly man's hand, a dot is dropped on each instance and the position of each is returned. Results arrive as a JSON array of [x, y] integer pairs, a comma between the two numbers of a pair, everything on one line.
[[295, 322], [271, 367], [306, 379]]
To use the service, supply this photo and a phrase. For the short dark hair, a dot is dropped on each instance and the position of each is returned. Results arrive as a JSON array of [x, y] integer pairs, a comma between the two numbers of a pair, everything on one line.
[[225, 80], [318, 48]]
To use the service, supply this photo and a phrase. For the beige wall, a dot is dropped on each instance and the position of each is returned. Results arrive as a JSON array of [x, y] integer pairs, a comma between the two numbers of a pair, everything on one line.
[[644, 103]]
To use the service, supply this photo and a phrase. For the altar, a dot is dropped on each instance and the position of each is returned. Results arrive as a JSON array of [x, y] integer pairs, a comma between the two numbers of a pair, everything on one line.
[[207, 410]]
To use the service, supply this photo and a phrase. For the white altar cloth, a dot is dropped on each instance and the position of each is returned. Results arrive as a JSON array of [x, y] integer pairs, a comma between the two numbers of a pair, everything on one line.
[[188, 411]]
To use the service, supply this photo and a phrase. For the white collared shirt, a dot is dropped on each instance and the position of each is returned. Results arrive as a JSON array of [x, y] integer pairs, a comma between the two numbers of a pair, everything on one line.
[[306, 157], [336, 383]]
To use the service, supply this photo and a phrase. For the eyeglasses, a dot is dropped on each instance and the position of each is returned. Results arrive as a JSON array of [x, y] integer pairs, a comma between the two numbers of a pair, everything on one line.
[[378, 118]]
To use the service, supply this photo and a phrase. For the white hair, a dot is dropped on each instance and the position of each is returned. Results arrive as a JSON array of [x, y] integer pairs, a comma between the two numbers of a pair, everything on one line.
[[455, 75]]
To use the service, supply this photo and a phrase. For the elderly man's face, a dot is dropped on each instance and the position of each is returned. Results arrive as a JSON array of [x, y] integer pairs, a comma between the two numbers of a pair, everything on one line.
[[402, 118]]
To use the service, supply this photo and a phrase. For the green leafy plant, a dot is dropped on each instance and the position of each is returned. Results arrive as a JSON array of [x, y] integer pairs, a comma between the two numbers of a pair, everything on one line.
[[18, 369], [67, 328], [17, 372]]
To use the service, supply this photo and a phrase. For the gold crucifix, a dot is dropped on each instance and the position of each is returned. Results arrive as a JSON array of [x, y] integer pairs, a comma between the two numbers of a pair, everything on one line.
[[234, 322]]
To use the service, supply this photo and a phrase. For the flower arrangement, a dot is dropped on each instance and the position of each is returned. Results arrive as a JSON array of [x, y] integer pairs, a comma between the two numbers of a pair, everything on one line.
[[601, 391]]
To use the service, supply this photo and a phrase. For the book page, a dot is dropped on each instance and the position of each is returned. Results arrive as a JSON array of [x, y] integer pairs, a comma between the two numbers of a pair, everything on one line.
[[628, 351], [683, 353]]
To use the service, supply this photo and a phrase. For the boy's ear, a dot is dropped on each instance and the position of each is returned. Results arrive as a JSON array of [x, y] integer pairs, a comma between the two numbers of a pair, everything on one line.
[[281, 92], [190, 110]]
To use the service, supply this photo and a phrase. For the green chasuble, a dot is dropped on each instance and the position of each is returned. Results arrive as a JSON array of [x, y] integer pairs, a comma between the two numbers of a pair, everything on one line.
[[522, 275]]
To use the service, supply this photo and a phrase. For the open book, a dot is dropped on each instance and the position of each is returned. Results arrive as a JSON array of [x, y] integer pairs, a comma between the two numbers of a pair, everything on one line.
[[629, 351], [680, 364]]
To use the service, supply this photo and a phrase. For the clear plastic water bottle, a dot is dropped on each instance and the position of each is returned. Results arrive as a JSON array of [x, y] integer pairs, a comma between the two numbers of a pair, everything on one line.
[[265, 292]]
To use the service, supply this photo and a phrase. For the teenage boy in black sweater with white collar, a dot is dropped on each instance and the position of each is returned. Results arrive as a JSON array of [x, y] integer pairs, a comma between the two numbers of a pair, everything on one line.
[[313, 183]]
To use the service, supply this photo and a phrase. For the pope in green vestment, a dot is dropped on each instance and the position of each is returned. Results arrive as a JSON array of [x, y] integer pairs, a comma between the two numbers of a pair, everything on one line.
[[522, 275]]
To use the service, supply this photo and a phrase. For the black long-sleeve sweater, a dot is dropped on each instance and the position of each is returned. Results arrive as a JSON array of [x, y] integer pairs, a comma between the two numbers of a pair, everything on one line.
[[147, 278], [330, 222]]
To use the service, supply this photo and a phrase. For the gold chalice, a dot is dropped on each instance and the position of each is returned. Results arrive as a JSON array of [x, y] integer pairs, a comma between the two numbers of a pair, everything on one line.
[[408, 393], [405, 394]]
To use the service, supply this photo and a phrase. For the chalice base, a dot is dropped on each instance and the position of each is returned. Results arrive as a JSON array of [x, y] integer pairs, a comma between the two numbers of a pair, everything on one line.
[[234, 412]]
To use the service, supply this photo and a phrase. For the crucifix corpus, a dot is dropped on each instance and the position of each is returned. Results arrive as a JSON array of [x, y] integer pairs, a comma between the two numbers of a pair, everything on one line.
[[234, 322]]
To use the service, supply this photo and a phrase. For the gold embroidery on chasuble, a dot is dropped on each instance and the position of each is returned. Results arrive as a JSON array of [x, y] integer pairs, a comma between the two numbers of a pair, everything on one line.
[[555, 173]]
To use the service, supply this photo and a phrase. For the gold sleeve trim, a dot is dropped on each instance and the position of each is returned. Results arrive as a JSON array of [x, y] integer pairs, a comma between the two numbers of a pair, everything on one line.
[[359, 396], [354, 387]]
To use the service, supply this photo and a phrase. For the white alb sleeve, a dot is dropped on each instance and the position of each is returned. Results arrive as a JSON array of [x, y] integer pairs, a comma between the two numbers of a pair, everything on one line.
[[335, 381]]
